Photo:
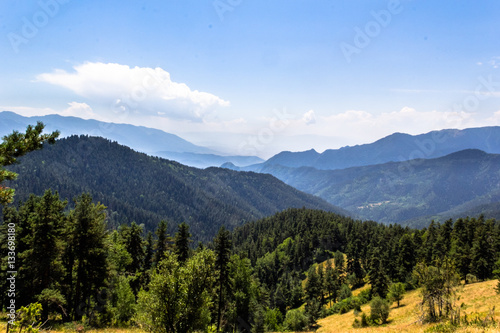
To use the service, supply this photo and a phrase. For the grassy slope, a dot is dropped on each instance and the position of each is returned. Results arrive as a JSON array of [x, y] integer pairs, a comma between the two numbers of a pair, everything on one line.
[[478, 297]]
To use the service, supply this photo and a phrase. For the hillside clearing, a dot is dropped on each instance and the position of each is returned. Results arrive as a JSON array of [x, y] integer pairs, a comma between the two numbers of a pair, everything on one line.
[[478, 297]]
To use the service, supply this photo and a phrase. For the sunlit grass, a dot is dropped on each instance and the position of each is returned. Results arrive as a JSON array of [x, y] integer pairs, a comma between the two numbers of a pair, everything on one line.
[[478, 297]]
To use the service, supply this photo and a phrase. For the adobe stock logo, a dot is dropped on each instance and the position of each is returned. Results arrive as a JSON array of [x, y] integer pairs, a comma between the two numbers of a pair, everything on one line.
[[32, 25], [372, 29]]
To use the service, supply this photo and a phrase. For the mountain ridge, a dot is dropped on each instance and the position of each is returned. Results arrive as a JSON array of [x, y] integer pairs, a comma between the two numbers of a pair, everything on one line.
[[396, 147], [140, 138], [145, 189], [396, 192]]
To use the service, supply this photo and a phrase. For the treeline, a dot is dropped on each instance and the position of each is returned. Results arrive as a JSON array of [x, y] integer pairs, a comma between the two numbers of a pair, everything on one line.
[[79, 269]]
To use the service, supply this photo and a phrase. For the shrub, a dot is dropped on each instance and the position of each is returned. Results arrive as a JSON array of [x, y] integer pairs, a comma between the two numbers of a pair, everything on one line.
[[345, 292], [470, 278], [379, 310], [396, 292], [295, 320]]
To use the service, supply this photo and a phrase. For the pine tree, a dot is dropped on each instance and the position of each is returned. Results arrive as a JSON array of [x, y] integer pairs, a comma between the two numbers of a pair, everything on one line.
[[396, 292], [161, 242], [43, 259], [332, 284], [134, 244], [482, 253], [89, 250], [377, 275], [148, 257], [182, 242], [460, 250], [406, 257], [313, 291], [223, 247]]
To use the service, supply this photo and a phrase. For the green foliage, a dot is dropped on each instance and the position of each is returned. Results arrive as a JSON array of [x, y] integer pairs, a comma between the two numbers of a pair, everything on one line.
[[161, 242], [223, 245], [179, 296], [396, 292], [377, 275], [182, 242], [295, 320], [16, 145], [123, 304], [439, 287], [345, 292], [88, 248], [379, 310], [273, 320], [27, 319], [496, 272]]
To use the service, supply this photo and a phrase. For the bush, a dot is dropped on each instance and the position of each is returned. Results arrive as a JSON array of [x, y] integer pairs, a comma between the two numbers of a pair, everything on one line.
[[295, 320], [345, 292], [273, 320], [396, 292], [379, 310], [470, 278]]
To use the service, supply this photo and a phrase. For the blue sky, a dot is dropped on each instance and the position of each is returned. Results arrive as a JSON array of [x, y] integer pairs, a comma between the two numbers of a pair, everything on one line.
[[256, 77]]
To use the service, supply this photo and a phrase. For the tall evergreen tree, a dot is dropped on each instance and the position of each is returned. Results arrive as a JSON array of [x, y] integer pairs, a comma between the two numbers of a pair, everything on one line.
[[43, 259], [89, 248], [161, 242], [182, 242], [134, 243], [377, 275], [406, 257], [460, 250], [223, 247], [482, 253], [313, 292], [149, 252]]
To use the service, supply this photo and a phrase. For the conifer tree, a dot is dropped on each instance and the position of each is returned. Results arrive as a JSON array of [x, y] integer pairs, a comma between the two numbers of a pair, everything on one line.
[[460, 250], [223, 247], [148, 256], [377, 275], [161, 242], [182, 242], [90, 251], [482, 253]]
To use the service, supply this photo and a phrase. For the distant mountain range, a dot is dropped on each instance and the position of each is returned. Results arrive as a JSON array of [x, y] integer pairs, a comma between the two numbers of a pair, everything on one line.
[[409, 192], [139, 138], [145, 189], [393, 148], [398, 179]]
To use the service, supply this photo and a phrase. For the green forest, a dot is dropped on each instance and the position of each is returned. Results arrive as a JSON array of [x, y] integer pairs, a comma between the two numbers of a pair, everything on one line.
[[281, 272]]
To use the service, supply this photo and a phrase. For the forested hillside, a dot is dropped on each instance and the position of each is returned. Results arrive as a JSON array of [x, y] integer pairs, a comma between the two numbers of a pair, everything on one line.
[[291, 241], [417, 190], [144, 189]]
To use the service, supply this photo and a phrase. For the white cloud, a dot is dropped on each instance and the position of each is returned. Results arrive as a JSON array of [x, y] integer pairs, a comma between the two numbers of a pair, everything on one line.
[[358, 126], [80, 110], [309, 117], [138, 90]]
